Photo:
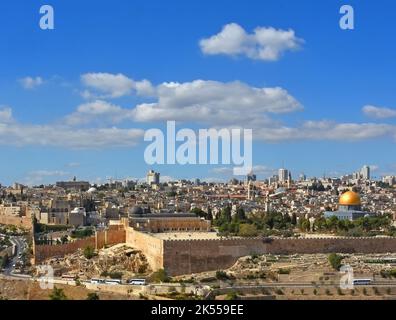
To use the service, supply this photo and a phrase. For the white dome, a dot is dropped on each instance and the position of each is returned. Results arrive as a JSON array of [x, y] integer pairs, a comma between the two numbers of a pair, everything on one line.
[[92, 190]]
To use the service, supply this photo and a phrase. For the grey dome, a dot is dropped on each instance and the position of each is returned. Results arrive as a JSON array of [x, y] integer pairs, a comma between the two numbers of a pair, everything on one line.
[[136, 211]]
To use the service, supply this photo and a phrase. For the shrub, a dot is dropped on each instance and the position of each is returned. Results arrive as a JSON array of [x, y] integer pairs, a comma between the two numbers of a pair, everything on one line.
[[89, 252], [221, 275], [92, 296], [335, 261], [160, 276], [57, 294]]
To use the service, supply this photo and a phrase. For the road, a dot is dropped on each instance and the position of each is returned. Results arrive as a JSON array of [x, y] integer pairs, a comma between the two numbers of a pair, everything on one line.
[[20, 246]]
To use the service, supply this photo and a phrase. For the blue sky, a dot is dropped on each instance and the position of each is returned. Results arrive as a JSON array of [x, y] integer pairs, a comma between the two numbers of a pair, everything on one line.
[[51, 83]]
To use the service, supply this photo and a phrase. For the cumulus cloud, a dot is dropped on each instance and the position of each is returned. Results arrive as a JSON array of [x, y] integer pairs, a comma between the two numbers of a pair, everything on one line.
[[379, 112], [5, 115], [267, 44], [114, 85], [326, 130], [30, 82], [98, 110], [216, 102], [17, 134]]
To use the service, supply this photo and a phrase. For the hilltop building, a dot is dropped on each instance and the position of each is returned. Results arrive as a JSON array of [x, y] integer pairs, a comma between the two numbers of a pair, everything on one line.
[[349, 208]]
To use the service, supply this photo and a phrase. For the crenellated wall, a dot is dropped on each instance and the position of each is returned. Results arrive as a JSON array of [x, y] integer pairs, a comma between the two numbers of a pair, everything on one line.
[[194, 256]]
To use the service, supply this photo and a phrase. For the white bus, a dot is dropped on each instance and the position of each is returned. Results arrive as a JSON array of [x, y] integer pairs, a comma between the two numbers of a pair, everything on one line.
[[98, 281], [137, 282], [113, 281], [362, 282]]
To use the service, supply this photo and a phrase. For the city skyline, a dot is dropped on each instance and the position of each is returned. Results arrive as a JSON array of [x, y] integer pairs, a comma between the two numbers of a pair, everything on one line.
[[285, 70]]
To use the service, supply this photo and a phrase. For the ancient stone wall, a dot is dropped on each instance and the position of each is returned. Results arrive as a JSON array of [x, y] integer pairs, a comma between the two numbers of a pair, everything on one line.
[[43, 252], [24, 222], [193, 256], [99, 241], [150, 246]]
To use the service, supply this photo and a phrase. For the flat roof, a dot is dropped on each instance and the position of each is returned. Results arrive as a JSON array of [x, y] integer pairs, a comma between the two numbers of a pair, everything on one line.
[[185, 235]]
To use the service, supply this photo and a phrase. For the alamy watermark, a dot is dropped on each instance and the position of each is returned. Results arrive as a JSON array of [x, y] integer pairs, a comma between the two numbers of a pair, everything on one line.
[[46, 279], [47, 19], [202, 149]]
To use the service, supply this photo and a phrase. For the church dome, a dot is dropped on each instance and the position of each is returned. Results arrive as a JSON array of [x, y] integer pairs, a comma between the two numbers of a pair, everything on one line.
[[350, 198]]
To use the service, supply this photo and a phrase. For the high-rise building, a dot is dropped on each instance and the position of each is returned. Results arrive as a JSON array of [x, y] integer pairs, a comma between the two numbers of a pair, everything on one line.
[[153, 177], [251, 177], [283, 175], [365, 173]]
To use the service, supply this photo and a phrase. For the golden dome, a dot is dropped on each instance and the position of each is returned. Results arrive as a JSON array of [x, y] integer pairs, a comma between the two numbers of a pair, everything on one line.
[[350, 198]]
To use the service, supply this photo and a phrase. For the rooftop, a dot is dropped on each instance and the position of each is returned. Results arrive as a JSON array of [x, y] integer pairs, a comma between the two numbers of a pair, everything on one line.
[[186, 235]]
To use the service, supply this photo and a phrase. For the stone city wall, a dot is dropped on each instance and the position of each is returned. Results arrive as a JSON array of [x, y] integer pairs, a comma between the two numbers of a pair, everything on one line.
[[194, 256], [99, 241], [43, 252], [24, 222], [150, 246]]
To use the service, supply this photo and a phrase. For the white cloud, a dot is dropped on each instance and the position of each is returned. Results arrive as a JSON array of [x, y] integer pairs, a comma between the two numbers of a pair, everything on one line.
[[214, 102], [17, 134], [258, 170], [98, 110], [43, 176], [326, 130], [266, 44], [30, 82], [115, 85], [378, 112], [5, 115]]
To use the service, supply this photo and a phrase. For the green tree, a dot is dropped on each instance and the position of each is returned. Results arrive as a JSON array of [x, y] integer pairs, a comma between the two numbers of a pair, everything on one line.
[[57, 294], [92, 296], [160, 276], [4, 261], [226, 214], [199, 212], [241, 214], [335, 260], [247, 230], [294, 219], [89, 252]]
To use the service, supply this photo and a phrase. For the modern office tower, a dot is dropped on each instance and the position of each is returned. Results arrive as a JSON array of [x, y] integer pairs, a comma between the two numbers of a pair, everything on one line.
[[283, 175], [365, 173], [153, 177]]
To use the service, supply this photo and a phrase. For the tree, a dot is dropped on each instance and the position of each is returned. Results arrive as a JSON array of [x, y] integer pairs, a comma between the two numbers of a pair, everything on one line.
[[241, 214], [210, 214], [160, 276], [4, 261], [92, 296], [304, 224], [199, 212], [89, 252], [247, 230], [226, 214], [335, 261], [57, 294], [65, 239], [294, 219], [221, 275]]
